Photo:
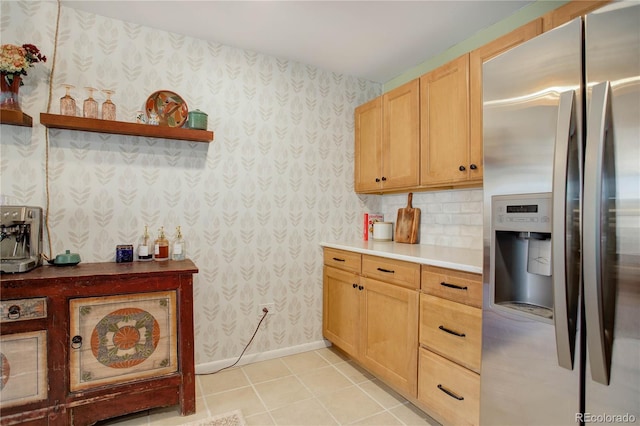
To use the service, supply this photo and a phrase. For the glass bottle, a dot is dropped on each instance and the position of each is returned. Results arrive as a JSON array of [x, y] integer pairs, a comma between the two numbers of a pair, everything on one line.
[[108, 107], [90, 105], [145, 246], [67, 103], [161, 249], [179, 248]]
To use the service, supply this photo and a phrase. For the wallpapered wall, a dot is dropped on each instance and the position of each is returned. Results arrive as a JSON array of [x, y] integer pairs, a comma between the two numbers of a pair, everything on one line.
[[253, 205]]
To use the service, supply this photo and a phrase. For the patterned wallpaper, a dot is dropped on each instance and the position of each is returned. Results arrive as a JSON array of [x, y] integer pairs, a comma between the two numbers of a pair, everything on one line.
[[253, 205]]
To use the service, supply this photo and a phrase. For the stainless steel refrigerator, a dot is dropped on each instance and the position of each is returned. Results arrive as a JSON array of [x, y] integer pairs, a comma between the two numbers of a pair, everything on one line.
[[561, 314]]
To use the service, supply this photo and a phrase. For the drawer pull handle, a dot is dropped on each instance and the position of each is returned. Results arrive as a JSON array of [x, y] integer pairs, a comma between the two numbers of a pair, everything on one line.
[[455, 333], [388, 271], [457, 287], [14, 312], [337, 259], [76, 342], [451, 394]]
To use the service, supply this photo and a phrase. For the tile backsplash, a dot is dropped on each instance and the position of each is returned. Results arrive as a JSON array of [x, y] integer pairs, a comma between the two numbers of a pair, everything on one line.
[[451, 218]]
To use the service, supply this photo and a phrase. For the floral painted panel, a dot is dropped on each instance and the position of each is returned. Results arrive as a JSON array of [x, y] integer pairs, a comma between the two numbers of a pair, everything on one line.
[[23, 368], [121, 338]]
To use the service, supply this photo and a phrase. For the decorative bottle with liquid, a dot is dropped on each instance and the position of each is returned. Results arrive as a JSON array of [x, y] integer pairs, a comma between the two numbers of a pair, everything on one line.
[[145, 246], [161, 249], [178, 251]]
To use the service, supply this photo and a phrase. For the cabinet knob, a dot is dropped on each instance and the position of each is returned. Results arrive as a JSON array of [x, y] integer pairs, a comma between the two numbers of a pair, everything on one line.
[[377, 179], [360, 287], [14, 312], [462, 168], [384, 178], [76, 342], [473, 167], [355, 285]]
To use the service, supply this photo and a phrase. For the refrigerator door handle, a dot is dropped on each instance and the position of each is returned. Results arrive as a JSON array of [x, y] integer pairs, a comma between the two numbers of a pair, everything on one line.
[[565, 130], [598, 338]]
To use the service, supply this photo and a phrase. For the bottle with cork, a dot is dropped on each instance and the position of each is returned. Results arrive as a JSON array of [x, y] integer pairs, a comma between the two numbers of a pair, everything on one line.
[[178, 250], [161, 250], [145, 246]]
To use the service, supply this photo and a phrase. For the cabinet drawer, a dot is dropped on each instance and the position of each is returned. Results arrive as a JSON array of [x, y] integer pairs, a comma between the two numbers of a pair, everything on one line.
[[393, 271], [462, 287], [451, 329], [451, 391], [341, 259], [23, 309]]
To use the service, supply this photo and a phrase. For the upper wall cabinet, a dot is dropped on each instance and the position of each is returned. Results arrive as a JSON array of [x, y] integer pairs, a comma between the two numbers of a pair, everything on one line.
[[387, 141], [569, 11], [444, 126], [476, 59]]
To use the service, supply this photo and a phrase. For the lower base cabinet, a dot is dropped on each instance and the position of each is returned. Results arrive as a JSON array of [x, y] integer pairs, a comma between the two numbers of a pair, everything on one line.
[[94, 341], [416, 327]]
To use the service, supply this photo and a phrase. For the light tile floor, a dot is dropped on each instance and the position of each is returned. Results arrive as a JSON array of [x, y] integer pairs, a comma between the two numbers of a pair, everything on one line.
[[320, 387]]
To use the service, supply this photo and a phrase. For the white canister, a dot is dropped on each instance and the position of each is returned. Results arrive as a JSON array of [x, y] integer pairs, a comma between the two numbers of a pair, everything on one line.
[[383, 231]]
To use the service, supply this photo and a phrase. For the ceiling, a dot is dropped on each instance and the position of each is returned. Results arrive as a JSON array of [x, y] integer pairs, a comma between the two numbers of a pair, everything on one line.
[[375, 40]]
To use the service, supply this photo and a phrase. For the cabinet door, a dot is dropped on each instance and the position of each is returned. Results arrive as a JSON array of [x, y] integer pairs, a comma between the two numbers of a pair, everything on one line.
[[389, 342], [23, 368], [476, 58], [401, 138], [368, 146], [341, 301], [115, 339], [444, 110]]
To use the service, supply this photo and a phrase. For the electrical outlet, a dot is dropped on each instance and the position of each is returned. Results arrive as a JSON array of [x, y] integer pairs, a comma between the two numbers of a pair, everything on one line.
[[270, 307]]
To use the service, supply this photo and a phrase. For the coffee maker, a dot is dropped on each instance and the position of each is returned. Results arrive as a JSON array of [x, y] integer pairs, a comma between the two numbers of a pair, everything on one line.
[[20, 238]]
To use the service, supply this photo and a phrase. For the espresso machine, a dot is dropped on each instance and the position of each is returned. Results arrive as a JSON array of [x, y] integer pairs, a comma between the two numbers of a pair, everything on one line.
[[20, 238]]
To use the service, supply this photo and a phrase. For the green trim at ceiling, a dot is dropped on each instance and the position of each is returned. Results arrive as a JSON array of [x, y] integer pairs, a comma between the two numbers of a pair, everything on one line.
[[521, 17]]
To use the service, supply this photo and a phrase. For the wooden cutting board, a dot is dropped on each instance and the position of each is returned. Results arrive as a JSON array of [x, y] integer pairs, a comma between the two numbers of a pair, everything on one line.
[[408, 223]]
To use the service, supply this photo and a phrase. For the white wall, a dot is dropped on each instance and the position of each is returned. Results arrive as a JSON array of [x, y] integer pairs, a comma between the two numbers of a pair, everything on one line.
[[253, 204]]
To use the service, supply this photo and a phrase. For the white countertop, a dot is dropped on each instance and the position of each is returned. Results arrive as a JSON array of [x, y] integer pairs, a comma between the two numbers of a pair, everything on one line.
[[446, 257]]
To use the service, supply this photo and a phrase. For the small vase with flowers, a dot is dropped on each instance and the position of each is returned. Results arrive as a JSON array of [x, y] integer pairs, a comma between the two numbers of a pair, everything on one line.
[[14, 62]]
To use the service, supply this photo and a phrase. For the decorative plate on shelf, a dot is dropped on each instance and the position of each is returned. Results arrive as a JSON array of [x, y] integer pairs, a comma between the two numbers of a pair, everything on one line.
[[169, 108]]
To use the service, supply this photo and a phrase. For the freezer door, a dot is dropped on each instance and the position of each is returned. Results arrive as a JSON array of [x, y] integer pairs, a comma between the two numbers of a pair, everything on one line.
[[611, 217], [522, 382]]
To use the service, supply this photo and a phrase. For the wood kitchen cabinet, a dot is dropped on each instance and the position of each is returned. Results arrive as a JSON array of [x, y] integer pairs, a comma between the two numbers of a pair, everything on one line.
[[387, 141], [448, 156], [389, 321], [373, 321], [450, 345], [97, 340]]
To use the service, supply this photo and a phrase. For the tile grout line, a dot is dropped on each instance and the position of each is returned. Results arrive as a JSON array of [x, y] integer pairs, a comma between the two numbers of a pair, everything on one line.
[[333, 365]]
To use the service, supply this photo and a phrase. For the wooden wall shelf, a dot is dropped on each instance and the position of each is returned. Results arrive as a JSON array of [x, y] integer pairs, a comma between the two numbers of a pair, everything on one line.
[[15, 118], [55, 121]]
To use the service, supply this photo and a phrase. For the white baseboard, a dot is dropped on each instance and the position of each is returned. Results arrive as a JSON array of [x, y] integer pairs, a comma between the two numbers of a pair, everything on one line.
[[210, 367]]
